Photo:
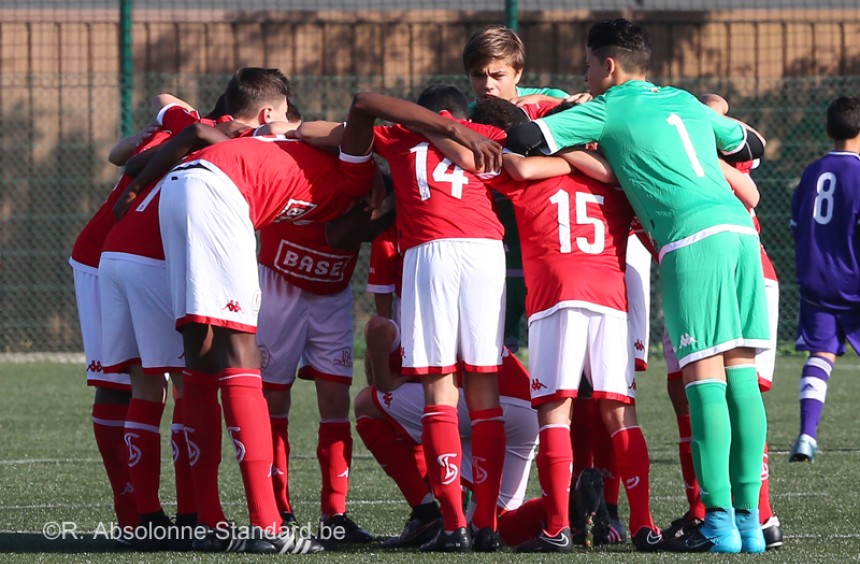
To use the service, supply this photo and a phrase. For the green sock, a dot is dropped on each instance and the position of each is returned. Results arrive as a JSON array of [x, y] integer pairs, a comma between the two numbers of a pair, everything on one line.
[[749, 431], [709, 416]]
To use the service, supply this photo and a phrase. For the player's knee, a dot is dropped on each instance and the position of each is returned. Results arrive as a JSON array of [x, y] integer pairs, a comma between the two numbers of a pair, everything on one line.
[[363, 405], [379, 332]]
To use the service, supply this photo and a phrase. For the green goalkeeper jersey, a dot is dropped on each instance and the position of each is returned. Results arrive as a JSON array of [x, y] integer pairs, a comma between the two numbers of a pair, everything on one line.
[[662, 144]]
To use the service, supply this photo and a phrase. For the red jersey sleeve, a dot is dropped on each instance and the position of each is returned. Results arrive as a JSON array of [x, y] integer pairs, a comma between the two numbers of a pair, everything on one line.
[[175, 118], [386, 264]]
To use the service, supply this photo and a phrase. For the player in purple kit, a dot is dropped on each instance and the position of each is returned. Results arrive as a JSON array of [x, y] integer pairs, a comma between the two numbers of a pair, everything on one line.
[[825, 211]]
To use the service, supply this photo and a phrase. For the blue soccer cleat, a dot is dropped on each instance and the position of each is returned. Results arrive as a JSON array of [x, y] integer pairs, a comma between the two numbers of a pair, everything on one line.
[[752, 537], [717, 533]]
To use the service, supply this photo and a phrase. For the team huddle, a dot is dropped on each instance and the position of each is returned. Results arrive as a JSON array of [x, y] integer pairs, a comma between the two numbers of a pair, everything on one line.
[[170, 280]]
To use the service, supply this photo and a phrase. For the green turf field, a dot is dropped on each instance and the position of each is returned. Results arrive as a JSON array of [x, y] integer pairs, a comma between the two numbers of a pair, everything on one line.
[[50, 471]]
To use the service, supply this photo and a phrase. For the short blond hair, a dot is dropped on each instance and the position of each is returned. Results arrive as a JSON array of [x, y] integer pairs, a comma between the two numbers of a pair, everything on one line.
[[494, 43]]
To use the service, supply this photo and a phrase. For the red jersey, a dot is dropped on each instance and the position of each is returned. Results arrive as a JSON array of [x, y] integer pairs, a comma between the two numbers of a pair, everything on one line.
[[436, 199], [91, 240], [138, 232], [540, 109], [287, 180], [573, 233], [766, 264], [385, 275], [302, 256]]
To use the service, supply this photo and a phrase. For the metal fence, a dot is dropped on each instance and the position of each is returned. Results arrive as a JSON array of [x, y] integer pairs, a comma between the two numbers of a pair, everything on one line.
[[68, 89]]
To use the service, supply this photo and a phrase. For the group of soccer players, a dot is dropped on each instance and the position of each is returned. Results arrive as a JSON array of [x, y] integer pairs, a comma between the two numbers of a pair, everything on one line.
[[176, 286]]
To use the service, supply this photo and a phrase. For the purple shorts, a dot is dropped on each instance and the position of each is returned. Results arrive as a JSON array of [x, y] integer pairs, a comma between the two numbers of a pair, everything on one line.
[[821, 330]]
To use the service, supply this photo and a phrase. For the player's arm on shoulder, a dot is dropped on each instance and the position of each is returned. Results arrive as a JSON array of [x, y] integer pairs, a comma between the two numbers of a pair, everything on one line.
[[734, 150], [125, 147], [591, 163], [742, 185], [534, 168], [320, 134], [163, 100], [487, 153], [190, 139]]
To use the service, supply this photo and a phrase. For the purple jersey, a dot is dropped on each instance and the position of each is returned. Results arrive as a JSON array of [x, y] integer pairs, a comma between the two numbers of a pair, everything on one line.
[[825, 211]]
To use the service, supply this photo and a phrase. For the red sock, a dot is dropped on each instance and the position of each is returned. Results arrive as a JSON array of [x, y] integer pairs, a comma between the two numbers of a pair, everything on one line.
[[396, 457], [580, 436], [604, 458], [420, 461], [554, 460], [764, 508], [523, 523], [202, 415], [688, 471], [143, 439], [108, 428], [281, 462], [185, 502], [634, 467], [247, 416], [488, 459], [334, 452], [441, 440]]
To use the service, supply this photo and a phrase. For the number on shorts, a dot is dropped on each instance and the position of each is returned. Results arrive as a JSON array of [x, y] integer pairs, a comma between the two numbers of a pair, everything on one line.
[[456, 177], [675, 121], [822, 208], [562, 201]]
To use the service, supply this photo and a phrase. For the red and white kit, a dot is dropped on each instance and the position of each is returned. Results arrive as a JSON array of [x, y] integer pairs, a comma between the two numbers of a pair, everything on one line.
[[404, 407], [454, 263], [306, 315], [573, 234], [135, 295], [212, 203]]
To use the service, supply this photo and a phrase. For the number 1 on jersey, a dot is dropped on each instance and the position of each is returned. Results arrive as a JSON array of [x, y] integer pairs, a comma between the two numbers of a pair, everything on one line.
[[456, 178], [675, 121]]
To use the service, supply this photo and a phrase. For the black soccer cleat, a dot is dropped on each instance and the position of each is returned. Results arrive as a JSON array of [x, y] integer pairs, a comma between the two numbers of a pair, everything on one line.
[[288, 519], [681, 526], [185, 524], [228, 538], [288, 541], [444, 541], [616, 533], [772, 531], [340, 528], [484, 540], [424, 523], [154, 532], [648, 540], [561, 542]]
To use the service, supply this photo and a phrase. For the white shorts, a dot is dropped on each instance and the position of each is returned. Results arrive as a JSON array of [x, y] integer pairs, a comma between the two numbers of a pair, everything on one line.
[[90, 316], [300, 329], [575, 341], [638, 277], [453, 303], [138, 315], [210, 250], [765, 359], [404, 408]]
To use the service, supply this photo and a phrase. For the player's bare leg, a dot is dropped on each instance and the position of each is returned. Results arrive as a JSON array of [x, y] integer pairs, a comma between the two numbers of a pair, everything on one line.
[[488, 455], [554, 463]]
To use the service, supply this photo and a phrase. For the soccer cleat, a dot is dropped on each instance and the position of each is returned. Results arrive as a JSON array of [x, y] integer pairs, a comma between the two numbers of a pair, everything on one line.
[[289, 519], [804, 449], [228, 538], [484, 540], [424, 523], [186, 524], [681, 526], [343, 529], [717, 533], [288, 541], [589, 515], [747, 522], [772, 532], [616, 533], [444, 541], [648, 540], [155, 532], [562, 542]]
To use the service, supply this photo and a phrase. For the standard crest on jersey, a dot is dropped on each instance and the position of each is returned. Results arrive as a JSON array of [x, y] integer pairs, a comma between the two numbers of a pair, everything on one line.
[[294, 210]]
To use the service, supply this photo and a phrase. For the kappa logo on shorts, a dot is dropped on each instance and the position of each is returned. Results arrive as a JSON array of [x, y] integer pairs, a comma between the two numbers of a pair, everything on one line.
[[386, 399], [537, 385], [233, 306], [639, 345], [95, 366], [452, 471], [687, 340], [294, 210]]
